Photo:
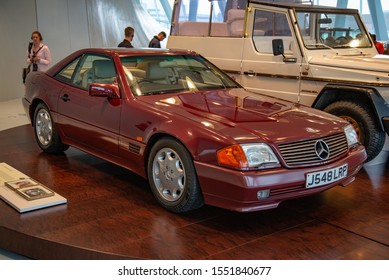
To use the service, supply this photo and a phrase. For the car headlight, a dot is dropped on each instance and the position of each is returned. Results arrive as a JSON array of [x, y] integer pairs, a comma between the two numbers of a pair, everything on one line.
[[351, 135], [247, 156]]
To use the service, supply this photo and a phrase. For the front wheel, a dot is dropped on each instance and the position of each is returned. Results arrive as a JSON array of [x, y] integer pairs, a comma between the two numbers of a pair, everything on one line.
[[173, 178], [362, 119], [45, 131]]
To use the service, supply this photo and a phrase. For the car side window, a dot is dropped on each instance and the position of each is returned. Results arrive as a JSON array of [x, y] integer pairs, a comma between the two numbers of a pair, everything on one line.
[[66, 74], [88, 69], [95, 69], [269, 25]]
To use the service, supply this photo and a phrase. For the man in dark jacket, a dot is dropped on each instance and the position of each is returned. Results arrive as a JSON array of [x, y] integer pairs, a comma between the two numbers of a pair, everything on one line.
[[128, 36], [157, 39]]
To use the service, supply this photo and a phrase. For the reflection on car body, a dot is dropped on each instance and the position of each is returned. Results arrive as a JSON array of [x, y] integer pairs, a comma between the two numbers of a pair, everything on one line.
[[198, 137]]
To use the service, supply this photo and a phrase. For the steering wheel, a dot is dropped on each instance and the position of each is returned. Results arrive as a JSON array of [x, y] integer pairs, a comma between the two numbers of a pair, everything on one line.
[[342, 39]]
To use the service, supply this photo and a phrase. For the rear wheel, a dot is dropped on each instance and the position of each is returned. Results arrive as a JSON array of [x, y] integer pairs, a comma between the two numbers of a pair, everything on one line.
[[172, 177], [369, 133], [45, 131]]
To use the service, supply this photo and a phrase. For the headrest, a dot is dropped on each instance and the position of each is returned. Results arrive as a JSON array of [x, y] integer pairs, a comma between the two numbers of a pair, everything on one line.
[[104, 68], [235, 14], [155, 71]]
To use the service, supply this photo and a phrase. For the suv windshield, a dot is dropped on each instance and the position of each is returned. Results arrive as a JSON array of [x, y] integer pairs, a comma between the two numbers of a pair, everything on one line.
[[332, 30]]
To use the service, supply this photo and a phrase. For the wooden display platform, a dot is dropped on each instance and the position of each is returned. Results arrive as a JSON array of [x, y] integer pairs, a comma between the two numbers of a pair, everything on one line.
[[111, 214]]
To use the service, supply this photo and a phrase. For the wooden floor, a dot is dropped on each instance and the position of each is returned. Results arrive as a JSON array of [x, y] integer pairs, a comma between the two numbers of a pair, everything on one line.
[[111, 214]]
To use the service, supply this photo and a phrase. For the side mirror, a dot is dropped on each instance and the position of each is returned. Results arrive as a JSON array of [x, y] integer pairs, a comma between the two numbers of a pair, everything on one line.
[[278, 47], [104, 90], [325, 21]]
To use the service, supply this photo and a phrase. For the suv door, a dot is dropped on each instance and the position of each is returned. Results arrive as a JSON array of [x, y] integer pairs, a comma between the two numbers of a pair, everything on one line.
[[261, 68]]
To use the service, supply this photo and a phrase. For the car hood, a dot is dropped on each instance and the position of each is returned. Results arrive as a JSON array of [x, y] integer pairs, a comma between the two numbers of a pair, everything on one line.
[[373, 63], [245, 116]]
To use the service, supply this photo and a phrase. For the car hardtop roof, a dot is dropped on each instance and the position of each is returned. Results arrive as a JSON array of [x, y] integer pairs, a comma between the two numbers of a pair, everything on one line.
[[305, 7], [116, 52], [137, 51]]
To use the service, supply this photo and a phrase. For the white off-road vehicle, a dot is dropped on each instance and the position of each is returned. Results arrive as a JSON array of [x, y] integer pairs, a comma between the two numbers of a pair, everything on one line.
[[318, 56]]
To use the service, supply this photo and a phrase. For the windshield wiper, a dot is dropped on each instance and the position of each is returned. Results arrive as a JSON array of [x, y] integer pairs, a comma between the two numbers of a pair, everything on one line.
[[323, 46], [319, 45]]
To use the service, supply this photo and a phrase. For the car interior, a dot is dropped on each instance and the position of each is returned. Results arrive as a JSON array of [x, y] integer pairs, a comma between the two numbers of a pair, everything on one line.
[[102, 72]]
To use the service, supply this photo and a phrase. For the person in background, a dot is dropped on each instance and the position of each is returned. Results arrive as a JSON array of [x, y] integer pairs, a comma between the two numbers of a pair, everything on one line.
[[39, 56], [157, 39], [379, 46], [128, 36]]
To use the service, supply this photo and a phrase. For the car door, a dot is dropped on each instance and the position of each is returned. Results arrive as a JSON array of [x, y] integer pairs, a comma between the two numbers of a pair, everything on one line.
[[262, 70], [90, 122]]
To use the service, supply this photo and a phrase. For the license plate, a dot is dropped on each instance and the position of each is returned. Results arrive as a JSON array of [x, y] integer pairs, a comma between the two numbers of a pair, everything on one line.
[[321, 178]]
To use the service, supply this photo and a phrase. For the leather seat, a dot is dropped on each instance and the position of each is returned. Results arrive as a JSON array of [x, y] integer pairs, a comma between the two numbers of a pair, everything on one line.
[[104, 71], [159, 74]]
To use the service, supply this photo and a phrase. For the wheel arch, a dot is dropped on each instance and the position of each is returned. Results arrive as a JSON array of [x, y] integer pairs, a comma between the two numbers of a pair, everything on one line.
[[32, 108], [366, 96]]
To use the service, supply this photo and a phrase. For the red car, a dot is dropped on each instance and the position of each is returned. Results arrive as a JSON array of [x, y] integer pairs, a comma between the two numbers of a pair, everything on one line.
[[173, 117]]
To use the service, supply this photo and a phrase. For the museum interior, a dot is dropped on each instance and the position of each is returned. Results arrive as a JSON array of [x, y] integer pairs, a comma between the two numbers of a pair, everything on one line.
[[110, 212]]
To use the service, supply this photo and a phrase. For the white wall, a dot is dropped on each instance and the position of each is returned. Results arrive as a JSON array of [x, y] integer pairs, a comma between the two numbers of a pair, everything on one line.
[[64, 28], [17, 21], [63, 25]]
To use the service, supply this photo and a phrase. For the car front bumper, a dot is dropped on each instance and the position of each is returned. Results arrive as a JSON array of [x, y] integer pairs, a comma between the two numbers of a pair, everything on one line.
[[238, 190]]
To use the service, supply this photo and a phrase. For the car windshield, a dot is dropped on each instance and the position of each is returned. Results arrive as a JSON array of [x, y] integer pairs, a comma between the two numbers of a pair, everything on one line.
[[332, 30], [150, 75]]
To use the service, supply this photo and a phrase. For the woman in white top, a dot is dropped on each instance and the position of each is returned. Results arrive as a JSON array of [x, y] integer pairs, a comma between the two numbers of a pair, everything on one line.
[[39, 56]]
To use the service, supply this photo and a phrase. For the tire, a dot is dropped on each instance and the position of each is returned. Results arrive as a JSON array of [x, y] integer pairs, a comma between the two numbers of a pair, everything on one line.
[[362, 119], [172, 177], [45, 131]]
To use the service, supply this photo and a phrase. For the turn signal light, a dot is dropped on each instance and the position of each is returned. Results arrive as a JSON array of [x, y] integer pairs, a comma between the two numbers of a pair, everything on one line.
[[233, 156]]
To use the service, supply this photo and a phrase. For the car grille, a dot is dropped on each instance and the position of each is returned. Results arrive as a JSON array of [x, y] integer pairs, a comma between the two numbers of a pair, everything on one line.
[[303, 152]]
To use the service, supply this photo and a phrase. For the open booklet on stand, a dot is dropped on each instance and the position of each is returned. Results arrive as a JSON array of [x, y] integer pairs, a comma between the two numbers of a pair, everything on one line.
[[24, 193]]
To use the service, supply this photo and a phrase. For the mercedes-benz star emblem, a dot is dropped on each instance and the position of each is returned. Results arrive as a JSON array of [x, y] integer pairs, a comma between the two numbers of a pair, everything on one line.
[[322, 150]]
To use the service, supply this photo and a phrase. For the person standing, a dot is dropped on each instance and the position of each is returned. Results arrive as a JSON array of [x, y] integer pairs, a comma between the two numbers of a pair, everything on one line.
[[39, 56], [128, 36], [379, 46], [157, 39]]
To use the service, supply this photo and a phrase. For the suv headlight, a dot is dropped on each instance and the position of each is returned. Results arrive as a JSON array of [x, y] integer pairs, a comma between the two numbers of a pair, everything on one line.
[[351, 135], [247, 156]]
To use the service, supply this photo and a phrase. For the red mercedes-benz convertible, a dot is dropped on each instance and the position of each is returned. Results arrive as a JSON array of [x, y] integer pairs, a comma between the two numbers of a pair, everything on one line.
[[173, 117]]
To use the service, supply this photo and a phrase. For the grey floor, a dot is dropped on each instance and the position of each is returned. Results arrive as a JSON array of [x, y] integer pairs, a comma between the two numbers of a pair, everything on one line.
[[11, 115]]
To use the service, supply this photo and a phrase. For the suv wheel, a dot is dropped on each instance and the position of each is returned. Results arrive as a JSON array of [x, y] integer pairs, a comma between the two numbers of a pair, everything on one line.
[[369, 133]]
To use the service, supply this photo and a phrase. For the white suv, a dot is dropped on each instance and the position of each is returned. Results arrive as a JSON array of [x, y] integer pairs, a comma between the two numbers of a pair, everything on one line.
[[318, 56]]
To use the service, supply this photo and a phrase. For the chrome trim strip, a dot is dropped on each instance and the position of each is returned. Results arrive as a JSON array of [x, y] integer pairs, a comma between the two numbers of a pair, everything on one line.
[[272, 75], [231, 72], [357, 83]]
